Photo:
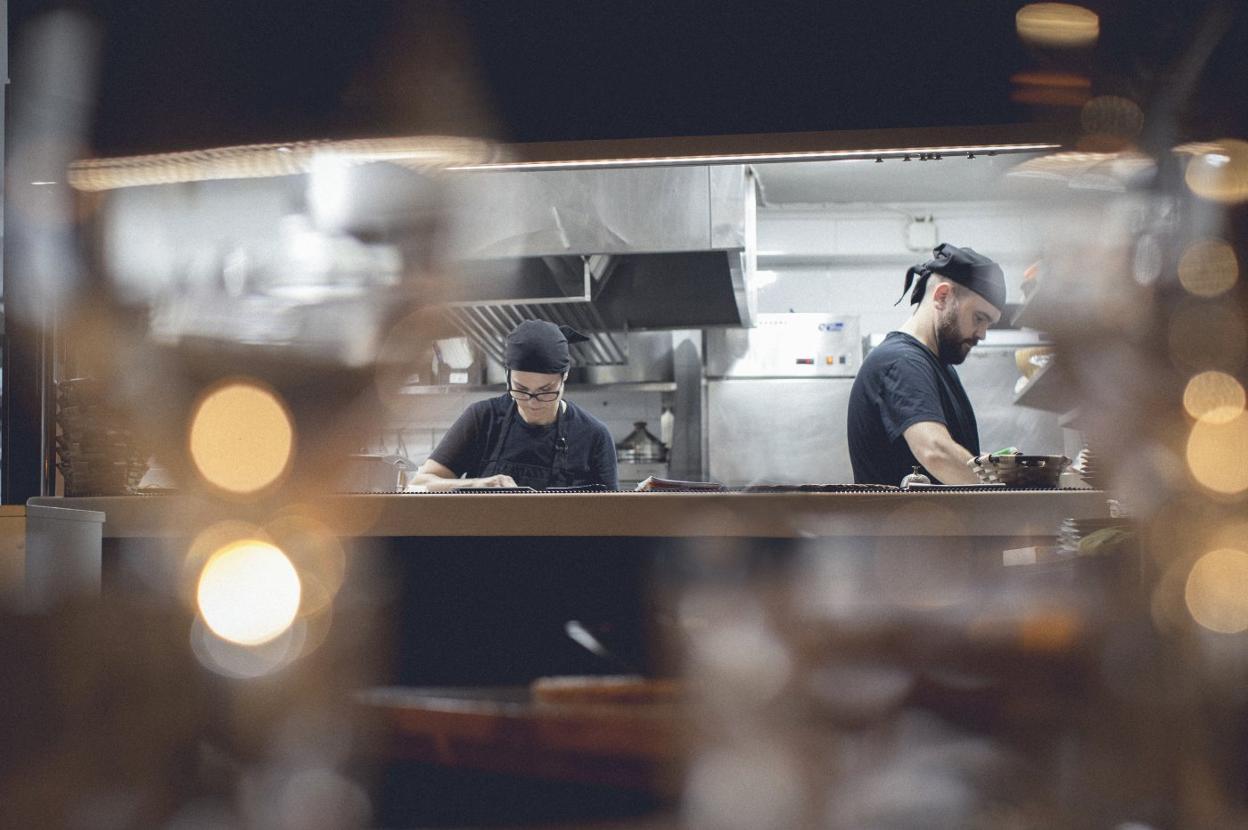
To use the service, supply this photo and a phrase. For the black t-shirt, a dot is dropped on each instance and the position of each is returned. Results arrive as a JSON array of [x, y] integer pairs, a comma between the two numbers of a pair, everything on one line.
[[902, 383], [475, 436]]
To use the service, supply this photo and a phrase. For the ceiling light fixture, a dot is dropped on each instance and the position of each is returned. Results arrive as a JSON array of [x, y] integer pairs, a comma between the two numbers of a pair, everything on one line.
[[866, 154], [437, 153]]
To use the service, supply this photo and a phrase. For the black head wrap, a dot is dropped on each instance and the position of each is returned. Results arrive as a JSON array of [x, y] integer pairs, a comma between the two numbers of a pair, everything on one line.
[[539, 346], [964, 266]]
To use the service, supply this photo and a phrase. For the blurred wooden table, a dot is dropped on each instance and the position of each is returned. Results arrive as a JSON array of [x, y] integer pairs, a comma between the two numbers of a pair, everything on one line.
[[502, 730]]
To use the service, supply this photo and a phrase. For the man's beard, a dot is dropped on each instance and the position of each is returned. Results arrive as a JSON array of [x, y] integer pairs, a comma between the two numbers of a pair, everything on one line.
[[950, 347]]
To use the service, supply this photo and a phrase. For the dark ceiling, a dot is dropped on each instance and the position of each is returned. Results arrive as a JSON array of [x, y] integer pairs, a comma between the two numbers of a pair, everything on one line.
[[195, 73]]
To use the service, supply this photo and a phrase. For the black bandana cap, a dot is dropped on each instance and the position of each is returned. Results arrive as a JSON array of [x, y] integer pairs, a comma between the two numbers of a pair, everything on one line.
[[964, 266], [539, 346]]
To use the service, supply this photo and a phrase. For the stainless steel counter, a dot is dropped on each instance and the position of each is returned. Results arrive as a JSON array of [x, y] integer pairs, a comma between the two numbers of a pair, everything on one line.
[[1025, 513]]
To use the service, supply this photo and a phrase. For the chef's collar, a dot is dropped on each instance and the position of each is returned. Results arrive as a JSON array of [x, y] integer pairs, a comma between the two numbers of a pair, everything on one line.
[[964, 266], [539, 346]]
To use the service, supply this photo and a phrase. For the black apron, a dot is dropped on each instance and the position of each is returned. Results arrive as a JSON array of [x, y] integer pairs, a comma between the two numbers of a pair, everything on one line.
[[531, 475]]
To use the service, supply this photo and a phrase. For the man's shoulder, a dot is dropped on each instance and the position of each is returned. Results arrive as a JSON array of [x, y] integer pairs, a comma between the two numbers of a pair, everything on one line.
[[897, 350]]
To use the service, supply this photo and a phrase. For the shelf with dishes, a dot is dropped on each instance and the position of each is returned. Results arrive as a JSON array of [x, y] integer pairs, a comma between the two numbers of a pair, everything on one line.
[[1040, 385], [1059, 303], [1036, 311], [1048, 388], [1043, 384]]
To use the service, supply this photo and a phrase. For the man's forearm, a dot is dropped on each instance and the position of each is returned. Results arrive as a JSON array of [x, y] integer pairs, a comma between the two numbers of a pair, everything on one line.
[[947, 460]]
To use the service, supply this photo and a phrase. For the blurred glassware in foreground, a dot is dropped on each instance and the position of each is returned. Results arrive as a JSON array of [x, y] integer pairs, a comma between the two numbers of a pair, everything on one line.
[[310, 246], [911, 683]]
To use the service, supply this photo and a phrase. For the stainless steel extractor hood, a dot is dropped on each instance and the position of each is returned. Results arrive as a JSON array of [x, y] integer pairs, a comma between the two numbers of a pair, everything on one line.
[[606, 251], [284, 257]]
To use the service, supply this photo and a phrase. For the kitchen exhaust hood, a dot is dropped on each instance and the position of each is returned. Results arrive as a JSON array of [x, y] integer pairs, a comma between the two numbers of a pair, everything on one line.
[[605, 251]]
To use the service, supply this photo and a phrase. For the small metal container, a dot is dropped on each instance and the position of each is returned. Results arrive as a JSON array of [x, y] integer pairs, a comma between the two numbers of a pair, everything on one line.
[[915, 477], [640, 447]]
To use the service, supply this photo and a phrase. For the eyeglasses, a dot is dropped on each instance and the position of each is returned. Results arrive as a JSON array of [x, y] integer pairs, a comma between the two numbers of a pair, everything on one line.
[[544, 397]]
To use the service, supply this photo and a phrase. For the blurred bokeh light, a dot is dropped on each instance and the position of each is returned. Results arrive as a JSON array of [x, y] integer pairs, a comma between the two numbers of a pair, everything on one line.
[[248, 592], [1214, 397], [1057, 24], [241, 437], [244, 662], [1217, 591], [1208, 268], [1217, 454], [317, 555], [1220, 172]]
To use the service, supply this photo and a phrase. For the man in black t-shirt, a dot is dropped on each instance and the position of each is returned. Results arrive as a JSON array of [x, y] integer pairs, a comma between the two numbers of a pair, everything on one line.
[[907, 407]]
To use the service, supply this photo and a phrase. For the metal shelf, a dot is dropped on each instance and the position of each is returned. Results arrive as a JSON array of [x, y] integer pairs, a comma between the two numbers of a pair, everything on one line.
[[1071, 418], [637, 386], [1046, 390], [1029, 313]]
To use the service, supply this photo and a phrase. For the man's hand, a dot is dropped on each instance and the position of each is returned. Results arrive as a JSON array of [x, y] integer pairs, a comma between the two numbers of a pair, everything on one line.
[[983, 469]]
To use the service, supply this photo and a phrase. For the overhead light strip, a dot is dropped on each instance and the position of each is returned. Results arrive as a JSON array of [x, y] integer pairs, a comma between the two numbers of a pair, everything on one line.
[[434, 153], [757, 158]]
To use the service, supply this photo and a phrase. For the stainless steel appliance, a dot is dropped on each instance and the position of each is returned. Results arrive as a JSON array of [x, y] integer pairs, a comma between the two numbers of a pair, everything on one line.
[[778, 431], [786, 345], [776, 399]]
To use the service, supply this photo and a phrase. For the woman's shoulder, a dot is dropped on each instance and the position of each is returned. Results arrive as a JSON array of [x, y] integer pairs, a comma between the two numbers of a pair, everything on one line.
[[493, 404], [484, 411], [583, 417]]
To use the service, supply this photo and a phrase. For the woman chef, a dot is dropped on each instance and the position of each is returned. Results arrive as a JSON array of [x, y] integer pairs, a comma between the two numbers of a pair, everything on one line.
[[530, 436]]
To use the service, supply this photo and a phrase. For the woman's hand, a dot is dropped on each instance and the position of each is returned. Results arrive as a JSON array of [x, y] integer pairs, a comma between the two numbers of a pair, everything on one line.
[[493, 482], [433, 477]]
